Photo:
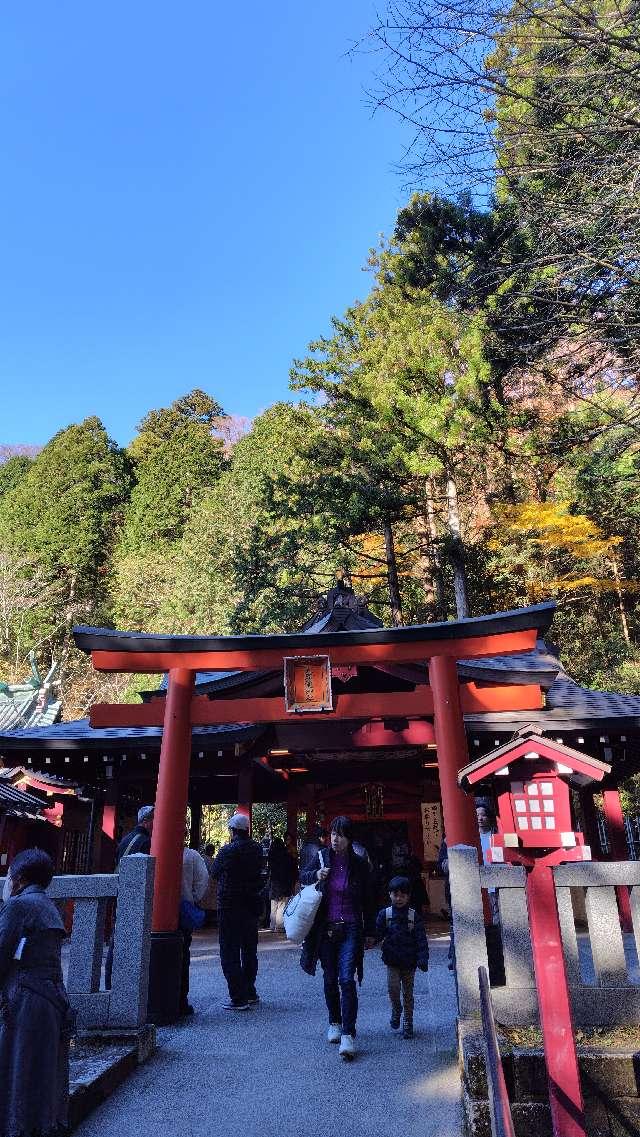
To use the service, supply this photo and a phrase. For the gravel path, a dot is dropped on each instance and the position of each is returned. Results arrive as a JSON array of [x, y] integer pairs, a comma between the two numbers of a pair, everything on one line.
[[270, 1072]]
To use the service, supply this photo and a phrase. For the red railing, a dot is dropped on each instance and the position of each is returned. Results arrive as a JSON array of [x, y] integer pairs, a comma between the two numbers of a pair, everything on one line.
[[501, 1120]]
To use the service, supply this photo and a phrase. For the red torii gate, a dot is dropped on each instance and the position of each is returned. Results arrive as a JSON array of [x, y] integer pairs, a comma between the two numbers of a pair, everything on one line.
[[439, 645]]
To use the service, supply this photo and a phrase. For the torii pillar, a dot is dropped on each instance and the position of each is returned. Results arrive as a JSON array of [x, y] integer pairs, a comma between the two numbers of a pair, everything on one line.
[[458, 810], [167, 843]]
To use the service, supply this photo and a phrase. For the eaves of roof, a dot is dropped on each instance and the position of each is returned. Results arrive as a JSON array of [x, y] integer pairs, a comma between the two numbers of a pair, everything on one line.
[[537, 616], [79, 735]]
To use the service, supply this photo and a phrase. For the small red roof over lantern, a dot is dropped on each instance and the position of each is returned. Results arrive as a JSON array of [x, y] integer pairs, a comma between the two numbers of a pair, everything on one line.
[[579, 769]]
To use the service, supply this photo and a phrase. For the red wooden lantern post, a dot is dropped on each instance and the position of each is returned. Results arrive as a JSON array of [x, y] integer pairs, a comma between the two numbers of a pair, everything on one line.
[[532, 777]]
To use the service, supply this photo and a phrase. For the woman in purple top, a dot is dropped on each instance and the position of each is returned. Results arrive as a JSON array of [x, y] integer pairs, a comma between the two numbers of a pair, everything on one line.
[[344, 926]]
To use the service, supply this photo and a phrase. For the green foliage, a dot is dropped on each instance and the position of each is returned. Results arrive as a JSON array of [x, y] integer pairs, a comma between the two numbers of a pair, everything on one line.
[[12, 472], [59, 522]]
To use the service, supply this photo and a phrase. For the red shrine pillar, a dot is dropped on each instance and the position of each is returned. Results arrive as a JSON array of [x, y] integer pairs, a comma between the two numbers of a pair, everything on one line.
[[167, 843], [590, 818], [458, 810], [618, 849], [245, 788]]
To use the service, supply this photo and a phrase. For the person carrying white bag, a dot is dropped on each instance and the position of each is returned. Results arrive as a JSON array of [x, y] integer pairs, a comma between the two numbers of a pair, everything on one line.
[[302, 909], [344, 925]]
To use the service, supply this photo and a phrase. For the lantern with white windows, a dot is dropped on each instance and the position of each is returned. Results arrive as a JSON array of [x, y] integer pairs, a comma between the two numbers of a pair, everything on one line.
[[531, 778]]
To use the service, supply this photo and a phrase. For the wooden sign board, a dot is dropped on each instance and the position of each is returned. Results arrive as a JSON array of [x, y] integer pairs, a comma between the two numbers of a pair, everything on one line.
[[374, 802], [307, 683], [432, 831]]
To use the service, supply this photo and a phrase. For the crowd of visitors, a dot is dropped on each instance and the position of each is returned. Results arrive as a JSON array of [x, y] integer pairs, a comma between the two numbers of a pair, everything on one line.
[[36, 1021]]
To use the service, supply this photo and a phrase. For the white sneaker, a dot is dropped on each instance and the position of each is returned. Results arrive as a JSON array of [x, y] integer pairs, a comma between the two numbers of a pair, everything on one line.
[[347, 1047], [334, 1032]]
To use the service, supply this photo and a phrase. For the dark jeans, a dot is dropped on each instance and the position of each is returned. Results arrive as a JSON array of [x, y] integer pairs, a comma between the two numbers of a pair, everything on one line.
[[239, 952], [339, 948]]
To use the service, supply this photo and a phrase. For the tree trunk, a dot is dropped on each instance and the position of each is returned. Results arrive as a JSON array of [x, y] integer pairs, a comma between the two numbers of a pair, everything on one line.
[[456, 551], [623, 613], [392, 574], [436, 578]]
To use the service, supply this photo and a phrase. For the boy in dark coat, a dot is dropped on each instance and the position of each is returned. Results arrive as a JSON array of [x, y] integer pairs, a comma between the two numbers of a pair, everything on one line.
[[404, 948]]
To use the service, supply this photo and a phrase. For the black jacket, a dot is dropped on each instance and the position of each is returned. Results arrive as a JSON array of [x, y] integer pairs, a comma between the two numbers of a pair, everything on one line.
[[238, 870], [402, 946], [362, 898], [137, 841]]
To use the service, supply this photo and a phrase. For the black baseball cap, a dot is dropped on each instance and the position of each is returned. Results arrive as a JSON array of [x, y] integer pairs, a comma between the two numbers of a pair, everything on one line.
[[400, 884]]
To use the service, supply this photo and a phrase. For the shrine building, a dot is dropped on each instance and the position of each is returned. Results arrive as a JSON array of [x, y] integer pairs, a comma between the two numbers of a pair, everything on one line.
[[344, 716]]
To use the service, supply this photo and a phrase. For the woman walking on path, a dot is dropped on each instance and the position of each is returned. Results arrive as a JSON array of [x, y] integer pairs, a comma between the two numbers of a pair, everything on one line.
[[35, 1017], [282, 876], [343, 928]]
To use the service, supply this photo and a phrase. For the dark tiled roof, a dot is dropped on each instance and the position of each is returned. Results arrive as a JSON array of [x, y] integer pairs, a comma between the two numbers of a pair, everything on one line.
[[538, 666], [13, 800], [80, 735], [54, 780], [570, 707], [520, 619]]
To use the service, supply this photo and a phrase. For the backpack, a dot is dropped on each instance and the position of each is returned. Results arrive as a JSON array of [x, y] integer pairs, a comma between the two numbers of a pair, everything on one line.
[[411, 920]]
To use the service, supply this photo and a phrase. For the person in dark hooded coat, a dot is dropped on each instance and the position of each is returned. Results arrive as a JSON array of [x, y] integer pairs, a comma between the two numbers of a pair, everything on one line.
[[35, 1016]]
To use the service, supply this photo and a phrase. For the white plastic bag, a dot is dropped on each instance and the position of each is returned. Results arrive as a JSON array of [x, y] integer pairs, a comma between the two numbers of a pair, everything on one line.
[[301, 911]]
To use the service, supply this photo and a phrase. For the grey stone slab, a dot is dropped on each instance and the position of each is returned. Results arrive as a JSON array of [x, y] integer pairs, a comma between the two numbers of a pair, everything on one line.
[[132, 942], [502, 876], [515, 1006], [87, 938], [582, 874], [605, 1006], [516, 938], [605, 934], [70, 887], [92, 1010], [568, 934], [468, 927]]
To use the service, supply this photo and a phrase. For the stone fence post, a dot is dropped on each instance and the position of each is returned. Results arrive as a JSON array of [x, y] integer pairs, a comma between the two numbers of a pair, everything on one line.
[[124, 1007]]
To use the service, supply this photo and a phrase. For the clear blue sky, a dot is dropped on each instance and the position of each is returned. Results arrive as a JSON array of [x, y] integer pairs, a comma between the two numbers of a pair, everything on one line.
[[188, 193]]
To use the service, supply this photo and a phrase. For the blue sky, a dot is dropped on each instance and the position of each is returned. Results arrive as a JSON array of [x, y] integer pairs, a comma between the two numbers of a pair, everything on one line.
[[188, 193]]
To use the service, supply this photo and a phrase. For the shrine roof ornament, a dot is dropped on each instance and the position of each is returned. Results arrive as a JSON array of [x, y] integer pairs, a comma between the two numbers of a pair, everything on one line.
[[31, 703]]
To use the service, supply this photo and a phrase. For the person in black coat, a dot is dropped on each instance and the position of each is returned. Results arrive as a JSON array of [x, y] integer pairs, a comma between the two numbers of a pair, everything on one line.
[[238, 871], [343, 928], [35, 1017], [404, 948]]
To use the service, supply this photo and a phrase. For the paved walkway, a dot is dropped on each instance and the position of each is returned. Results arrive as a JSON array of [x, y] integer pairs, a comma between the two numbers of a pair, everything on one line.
[[270, 1072]]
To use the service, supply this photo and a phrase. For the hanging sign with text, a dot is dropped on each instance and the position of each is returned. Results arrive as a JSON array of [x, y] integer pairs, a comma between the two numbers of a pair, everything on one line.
[[307, 683], [431, 829]]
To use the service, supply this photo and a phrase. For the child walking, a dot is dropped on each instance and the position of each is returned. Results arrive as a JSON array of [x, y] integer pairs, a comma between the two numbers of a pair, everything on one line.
[[404, 948]]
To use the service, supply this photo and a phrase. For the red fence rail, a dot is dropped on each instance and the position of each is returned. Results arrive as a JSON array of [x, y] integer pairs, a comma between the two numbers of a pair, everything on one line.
[[501, 1120]]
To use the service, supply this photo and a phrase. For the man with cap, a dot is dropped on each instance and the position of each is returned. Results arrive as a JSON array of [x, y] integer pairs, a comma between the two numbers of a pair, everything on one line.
[[238, 871], [139, 839]]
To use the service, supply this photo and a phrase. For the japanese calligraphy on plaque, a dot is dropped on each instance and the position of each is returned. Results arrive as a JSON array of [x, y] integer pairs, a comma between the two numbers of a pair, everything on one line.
[[307, 683], [431, 829], [374, 802]]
